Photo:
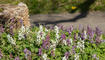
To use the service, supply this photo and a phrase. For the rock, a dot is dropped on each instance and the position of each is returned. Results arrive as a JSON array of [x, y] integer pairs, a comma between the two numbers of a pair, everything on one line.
[[18, 12]]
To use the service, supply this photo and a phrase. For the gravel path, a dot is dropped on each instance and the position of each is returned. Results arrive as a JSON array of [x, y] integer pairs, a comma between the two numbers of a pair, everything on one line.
[[93, 19]]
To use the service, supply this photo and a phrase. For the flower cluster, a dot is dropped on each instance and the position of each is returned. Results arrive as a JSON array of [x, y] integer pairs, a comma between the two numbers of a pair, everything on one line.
[[11, 40], [53, 44]]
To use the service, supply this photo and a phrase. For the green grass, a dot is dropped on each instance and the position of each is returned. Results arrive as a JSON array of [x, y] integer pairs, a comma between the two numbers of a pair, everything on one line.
[[58, 6]]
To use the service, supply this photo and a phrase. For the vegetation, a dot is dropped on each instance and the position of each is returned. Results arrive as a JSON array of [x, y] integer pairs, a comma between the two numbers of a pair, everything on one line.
[[58, 6], [54, 43]]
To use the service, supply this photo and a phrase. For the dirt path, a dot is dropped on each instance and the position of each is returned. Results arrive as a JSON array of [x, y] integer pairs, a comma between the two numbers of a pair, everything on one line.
[[93, 19]]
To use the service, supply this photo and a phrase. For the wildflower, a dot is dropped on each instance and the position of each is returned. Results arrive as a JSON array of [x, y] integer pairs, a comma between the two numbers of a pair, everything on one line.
[[57, 33], [11, 40], [83, 35], [1, 55], [75, 37], [21, 33], [53, 44], [64, 58], [64, 41], [20, 36], [71, 41], [40, 52], [41, 28], [27, 53], [67, 55], [21, 22], [98, 40], [80, 45], [90, 32], [41, 34], [63, 36], [45, 44], [68, 42], [73, 49], [17, 58], [52, 53], [46, 30], [98, 31], [76, 57], [44, 56], [95, 57], [11, 30], [73, 7]]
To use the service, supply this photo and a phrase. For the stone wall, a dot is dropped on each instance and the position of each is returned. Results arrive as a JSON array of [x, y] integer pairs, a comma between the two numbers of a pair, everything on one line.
[[19, 12]]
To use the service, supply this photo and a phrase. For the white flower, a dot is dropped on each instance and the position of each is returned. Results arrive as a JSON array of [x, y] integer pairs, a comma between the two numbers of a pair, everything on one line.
[[44, 56], [22, 31], [57, 33], [53, 44], [11, 40], [85, 34], [38, 37], [76, 57], [41, 28], [71, 41], [40, 34], [64, 58], [43, 35], [20, 36], [64, 41], [80, 45], [46, 30]]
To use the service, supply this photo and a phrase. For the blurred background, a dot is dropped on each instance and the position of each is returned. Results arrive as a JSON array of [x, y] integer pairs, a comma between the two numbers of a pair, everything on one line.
[[65, 12], [59, 6]]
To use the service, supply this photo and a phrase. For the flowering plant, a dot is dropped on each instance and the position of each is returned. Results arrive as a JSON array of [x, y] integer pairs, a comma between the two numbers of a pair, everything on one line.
[[57, 43]]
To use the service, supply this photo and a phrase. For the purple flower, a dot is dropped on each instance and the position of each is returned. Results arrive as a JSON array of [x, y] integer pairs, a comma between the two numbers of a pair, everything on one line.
[[94, 56], [1, 55], [61, 27], [73, 49], [21, 22], [13, 19], [17, 58], [98, 31], [67, 54], [46, 44], [63, 36], [47, 37], [52, 53], [90, 32], [27, 52], [68, 42], [11, 30], [82, 36], [40, 52], [98, 40]]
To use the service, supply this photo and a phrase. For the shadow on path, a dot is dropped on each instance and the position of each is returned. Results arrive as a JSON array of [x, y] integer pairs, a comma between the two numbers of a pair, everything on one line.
[[84, 10]]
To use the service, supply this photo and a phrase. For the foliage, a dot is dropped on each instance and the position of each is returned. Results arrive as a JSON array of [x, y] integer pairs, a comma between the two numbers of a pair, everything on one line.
[[57, 6], [55, 43]]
